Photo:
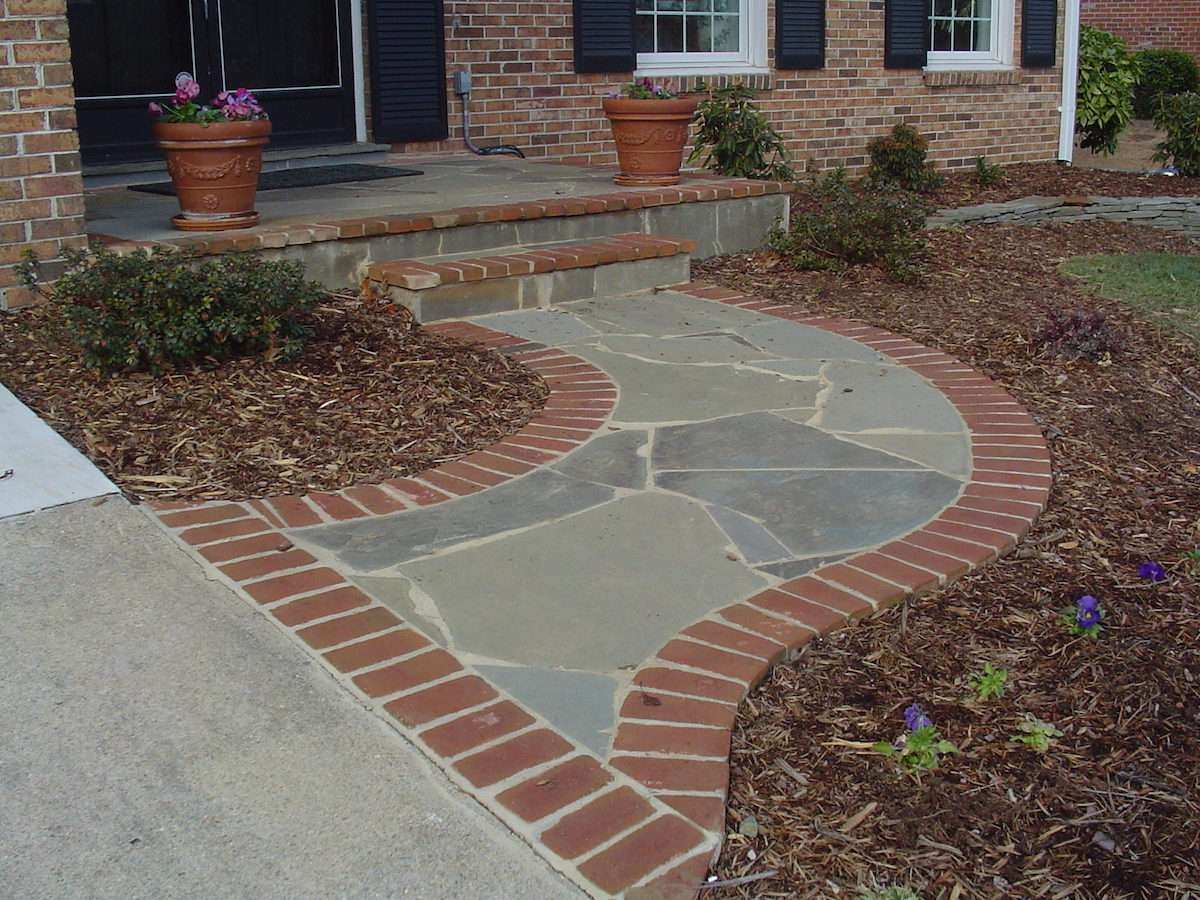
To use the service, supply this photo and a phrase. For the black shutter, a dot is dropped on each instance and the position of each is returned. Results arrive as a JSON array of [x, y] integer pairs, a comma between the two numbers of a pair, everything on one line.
[[408, 70], [1039, 33], [905, 34], [799, 34], [604, 36]]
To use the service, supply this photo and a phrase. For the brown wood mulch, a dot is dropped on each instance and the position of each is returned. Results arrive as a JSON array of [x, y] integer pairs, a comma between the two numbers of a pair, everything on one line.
[[1113, 808], [1051, 179], [373, 396]]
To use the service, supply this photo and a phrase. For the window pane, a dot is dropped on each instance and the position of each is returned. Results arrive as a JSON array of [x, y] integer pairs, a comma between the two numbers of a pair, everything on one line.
[[962, 35], [699, 34], [730, 6], [943, 7], [644, 33], [727, 36], [941, 34], [645, 5], [983, 9], [670, 5], [962, 9], [698, 5], [983, 35], [670, 34]]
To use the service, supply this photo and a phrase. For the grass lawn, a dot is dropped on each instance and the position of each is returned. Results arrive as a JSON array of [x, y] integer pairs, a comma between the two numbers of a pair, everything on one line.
[[1163, 286]]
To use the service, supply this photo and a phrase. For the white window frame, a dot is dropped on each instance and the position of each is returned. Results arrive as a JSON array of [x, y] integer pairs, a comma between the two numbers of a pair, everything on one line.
[[999, 57], [751, 60]]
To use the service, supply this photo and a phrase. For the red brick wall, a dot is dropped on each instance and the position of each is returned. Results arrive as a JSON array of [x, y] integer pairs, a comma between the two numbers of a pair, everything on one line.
[[1161, 24], [41, 191], [526, 93]]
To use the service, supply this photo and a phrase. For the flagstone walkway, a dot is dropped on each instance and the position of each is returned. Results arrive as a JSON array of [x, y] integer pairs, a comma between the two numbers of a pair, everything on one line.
[[568, 634]]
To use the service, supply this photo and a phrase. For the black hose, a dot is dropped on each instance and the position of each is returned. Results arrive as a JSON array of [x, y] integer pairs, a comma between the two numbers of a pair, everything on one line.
[[475, 148]]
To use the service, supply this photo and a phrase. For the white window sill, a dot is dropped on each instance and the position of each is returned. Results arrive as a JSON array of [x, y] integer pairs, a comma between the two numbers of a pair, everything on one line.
[[652, 71], [970, 67]]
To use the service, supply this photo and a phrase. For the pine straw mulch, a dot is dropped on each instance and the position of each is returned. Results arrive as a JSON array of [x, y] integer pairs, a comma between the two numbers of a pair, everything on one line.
[[372, 396], [1113, 809]]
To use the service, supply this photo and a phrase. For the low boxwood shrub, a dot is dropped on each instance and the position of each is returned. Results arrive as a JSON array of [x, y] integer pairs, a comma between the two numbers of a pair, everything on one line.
[[1164, 73], [902, 157], [848, 225], [1108, 73], [1179, 118], [158, 310], [735, 138]]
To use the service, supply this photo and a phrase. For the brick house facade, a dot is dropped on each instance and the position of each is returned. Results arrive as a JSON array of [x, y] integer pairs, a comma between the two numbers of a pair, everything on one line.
[[1145, 24], [844, 85]]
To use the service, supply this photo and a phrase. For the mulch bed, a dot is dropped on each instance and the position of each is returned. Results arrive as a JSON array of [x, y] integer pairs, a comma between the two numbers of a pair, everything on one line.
[[1051, 179], [1113, 808], [373, 396]]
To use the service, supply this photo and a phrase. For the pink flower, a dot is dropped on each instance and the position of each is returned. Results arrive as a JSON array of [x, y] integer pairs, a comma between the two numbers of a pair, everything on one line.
[[239, 104], [156, 110], [186, 88]]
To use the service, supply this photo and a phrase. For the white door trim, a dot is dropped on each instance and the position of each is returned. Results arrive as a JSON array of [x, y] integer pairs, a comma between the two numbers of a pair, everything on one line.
[[360, 82], [1070, 75]]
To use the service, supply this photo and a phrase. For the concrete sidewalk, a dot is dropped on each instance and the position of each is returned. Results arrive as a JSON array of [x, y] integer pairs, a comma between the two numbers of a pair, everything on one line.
[[162, 739]]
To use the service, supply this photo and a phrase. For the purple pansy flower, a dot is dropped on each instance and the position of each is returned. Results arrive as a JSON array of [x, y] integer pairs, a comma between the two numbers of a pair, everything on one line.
[[915, 718], [239, 104], [1087, 612], [1152, 571]]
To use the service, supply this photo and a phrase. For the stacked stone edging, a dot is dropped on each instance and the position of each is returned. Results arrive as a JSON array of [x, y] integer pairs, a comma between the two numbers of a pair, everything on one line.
[[1172, 213]]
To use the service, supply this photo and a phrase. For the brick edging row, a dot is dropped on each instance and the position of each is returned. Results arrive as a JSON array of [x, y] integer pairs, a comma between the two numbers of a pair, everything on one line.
[[702, 190], [675, 722], [648, 821]]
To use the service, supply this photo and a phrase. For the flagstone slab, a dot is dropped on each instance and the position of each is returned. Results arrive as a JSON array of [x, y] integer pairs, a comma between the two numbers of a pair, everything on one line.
[[753, 541], [794, 568], [379, 543], [695, 350], [823, 512], [947, 453], [661, 314], [613, 459], [653, 392], [597, 591], [866, 397], [788, 339], [762, 441], [581, 705]]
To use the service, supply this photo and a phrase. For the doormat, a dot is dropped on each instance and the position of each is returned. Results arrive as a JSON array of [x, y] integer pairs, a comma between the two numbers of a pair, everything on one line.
[[311, 176]]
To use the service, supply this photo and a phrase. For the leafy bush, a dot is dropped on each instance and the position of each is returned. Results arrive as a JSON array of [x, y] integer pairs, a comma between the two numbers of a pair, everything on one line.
[[1077, 334], [875, 223], [735, 138], [901, 157], [986, 173], [1179, 117], [1107, 75], [1163, 73], [157, 310]]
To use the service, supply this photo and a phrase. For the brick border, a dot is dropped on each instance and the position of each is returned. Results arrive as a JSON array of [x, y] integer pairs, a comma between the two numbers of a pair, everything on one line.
[[647, 822], [704, 189], [414, 275]]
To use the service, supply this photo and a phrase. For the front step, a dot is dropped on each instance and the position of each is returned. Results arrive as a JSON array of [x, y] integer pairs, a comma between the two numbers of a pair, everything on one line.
[[452, 287]]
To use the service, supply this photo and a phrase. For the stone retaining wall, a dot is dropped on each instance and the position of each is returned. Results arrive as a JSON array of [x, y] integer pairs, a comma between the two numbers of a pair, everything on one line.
[[1173, 213]]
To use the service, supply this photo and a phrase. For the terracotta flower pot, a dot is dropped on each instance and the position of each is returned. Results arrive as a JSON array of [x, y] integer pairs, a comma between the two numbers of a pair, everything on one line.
[[215, 171], [650, 136]]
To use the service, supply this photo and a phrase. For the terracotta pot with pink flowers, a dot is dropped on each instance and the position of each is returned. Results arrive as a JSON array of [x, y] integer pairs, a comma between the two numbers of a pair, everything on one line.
[[650, 127], [214, 155]]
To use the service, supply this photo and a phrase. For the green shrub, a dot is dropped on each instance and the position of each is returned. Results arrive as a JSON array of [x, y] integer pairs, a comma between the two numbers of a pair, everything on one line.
[[874, 223], [1179, 117], [1107, 75], [986, 173], [734, 137], [901, 157], [1163, 73], [154, 311]]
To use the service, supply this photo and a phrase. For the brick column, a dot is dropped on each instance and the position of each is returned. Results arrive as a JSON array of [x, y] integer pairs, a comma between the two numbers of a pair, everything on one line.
[[41, 189]]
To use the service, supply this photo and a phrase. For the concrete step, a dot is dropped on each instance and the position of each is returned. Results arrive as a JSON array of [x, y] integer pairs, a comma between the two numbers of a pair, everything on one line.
[[531, 276]]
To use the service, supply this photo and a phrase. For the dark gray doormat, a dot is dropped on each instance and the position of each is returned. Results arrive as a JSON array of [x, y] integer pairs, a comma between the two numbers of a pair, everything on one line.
[[311, 176]]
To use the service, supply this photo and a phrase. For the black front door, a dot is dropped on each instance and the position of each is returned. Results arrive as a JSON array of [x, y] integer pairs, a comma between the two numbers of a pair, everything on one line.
[[295, 54]]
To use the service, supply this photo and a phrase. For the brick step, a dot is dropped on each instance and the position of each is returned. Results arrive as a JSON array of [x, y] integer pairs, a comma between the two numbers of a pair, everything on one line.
[[504, 279]]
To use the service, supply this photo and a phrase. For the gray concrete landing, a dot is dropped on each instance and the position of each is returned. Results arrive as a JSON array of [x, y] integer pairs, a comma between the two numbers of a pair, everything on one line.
[[744, 450]]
